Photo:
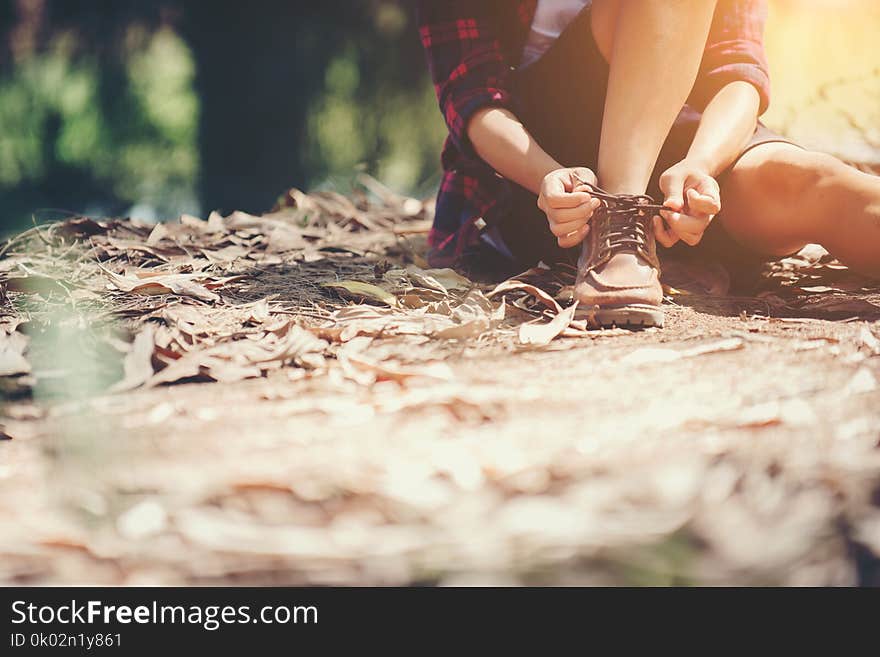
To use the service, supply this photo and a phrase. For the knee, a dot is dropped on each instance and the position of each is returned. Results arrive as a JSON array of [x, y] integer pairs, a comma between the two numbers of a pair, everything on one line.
[[793, 176], [778, 197], [604, 15]]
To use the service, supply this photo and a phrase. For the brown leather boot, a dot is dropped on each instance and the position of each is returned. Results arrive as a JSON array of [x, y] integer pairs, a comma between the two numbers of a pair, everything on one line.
[[618, 282]]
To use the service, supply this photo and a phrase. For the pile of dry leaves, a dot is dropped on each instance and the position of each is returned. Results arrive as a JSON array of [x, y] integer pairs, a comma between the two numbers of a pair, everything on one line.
[[353, 416]]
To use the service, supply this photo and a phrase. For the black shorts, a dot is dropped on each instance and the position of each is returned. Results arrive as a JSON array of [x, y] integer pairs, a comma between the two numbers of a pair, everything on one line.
[[561, 100]]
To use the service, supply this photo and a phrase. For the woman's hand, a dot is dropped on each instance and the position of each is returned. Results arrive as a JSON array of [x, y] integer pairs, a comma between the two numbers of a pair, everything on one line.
[[568, 204], [693, 198]]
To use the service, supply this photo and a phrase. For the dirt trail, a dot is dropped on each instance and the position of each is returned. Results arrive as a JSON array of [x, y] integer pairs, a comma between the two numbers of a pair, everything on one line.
[[294, 399]]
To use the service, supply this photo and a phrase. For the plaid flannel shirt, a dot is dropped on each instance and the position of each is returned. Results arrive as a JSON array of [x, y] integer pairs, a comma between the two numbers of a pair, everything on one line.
[[472, 45]]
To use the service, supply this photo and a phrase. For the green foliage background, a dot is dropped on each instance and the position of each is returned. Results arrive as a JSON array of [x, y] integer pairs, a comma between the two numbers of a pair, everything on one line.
[[158, 108]]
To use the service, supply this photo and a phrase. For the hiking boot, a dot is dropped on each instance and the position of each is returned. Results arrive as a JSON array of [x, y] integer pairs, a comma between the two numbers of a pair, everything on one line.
[[618, 281]]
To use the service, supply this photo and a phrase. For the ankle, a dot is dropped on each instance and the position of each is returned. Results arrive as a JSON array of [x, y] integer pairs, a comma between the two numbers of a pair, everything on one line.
[[623, 185]]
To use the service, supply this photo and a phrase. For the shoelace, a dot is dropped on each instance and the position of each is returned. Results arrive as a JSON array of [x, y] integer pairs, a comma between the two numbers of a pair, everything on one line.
[[626, 218]]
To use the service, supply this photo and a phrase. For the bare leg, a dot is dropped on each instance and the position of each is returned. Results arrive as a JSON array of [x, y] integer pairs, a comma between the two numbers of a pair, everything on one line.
[[652, 70], [779, 197], [653, 54]]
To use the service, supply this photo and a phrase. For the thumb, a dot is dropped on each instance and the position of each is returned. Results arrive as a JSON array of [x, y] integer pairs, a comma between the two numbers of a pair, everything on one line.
[[672, 186], [556, 185], [580, 176], [708, 188]]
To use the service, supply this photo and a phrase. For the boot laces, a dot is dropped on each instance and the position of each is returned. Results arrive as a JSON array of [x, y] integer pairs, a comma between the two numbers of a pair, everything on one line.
[[623, 220]]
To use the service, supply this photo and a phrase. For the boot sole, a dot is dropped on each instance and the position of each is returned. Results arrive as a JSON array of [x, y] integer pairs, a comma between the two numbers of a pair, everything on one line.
[[632, 316]]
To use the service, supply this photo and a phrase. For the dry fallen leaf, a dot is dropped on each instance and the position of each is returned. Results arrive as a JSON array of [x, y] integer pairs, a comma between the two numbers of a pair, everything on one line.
[[300, 346], [817, 289], [794, 412], [12, 348], [473, 316], [651, 355], [813, 253], [158, 233], [441, 280], [235, 360], [539, 294], [386, 371], [138, 364], [360, 291], [84, 226], [179, 284], [543, 334], [869, 340]]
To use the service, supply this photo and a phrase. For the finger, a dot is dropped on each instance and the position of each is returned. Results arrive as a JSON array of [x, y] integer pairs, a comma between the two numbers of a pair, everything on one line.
[[584, 188], [555, 199], [575, 238], [705, 185], [664, 236], [579, 214], [688, 228], [583, 175], [553, 185], [699, 203], [684, 224], [563, 229], [672, 186]]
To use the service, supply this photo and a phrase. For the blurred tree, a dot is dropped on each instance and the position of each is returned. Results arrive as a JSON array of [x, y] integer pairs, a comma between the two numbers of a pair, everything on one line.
[[377, 110], [168, 105], [78, 100], [7, 23], [258, 65], [294, 92]]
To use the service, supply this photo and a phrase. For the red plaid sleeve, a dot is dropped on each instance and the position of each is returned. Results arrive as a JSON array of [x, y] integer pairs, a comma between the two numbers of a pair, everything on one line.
[[734, 51], [466, 61]]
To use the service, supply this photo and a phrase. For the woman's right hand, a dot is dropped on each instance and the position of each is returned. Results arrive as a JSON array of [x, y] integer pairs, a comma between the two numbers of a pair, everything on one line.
[[568, 204]]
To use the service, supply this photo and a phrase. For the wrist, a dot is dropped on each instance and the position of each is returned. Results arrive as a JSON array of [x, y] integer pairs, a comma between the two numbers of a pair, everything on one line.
[[543, 167], [702, 163]]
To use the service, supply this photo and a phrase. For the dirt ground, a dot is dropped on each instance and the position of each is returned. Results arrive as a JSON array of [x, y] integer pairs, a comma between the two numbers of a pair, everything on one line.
[[297, 399]]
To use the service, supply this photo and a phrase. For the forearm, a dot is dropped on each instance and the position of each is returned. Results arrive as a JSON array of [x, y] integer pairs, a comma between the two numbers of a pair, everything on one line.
[[726, 127], [504, 143]]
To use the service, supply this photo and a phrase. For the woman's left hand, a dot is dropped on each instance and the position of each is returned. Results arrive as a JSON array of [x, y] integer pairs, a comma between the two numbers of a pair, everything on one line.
[[693, 198]]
